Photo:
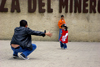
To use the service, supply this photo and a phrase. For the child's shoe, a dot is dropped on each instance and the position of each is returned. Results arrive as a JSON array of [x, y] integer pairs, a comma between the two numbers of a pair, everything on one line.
[[65, 48]]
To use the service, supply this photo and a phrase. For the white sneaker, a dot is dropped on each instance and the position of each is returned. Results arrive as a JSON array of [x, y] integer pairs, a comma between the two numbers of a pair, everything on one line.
[[24, 57]]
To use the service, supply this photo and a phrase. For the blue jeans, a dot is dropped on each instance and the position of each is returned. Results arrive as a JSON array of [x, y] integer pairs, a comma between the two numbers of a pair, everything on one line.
[[60, 31], [63, 45], [25, 51]]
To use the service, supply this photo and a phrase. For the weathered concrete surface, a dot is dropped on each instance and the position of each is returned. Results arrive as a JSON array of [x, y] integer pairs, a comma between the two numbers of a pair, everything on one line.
[[49, 54], [82, 26]]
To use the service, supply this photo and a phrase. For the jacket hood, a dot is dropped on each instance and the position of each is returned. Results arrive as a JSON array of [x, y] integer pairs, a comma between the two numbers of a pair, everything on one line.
[[19, 28]]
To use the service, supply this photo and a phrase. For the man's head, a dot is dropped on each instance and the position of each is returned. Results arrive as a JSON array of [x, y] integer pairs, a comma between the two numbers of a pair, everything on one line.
[[23, 23], [62, 17]]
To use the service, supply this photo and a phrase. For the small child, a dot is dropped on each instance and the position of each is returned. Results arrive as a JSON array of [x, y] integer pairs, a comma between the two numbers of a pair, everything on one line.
[[64, 37]]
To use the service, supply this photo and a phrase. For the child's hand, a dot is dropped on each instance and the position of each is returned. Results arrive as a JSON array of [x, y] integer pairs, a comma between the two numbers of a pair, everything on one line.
[[48, 34], [64, 37]]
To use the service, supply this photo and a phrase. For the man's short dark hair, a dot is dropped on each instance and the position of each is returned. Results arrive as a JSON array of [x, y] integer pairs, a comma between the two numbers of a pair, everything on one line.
[[23, 23], [62, 15]]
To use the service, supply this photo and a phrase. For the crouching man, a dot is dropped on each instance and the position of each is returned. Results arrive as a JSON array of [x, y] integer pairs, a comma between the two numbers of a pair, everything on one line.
[[21, 40]]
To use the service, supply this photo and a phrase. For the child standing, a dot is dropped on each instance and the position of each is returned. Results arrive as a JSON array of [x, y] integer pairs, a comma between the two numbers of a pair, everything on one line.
[[61, 21], [64, 37]]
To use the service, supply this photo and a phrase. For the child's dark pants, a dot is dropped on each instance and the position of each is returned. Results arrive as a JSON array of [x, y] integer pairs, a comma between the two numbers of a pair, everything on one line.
[[63, 45]]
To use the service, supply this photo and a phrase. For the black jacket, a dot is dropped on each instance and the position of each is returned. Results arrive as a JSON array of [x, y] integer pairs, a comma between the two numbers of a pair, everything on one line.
[[22, 37]]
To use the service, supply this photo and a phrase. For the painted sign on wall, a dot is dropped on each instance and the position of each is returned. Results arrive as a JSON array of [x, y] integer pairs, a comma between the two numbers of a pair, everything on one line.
[[80, 6]]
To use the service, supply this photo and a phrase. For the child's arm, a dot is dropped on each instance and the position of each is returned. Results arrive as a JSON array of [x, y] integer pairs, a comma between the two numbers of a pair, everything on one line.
[[66, 35]]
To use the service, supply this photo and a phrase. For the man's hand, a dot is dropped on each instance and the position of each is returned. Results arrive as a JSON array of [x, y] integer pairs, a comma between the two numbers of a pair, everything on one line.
[[48, 34]]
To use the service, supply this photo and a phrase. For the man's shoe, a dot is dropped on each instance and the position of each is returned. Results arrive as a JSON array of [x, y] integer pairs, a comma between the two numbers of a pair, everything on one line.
[[24, 57], [15, 56]]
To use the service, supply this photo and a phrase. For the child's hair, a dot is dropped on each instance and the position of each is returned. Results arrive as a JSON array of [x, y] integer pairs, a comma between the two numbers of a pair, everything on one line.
[[62, 15], [64, 26], [23, 23]]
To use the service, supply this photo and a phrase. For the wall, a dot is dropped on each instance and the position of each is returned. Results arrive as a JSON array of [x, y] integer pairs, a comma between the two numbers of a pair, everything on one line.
[[82, 26]]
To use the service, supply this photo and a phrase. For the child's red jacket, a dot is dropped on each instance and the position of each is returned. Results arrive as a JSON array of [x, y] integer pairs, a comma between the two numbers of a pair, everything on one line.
[[64, 37]]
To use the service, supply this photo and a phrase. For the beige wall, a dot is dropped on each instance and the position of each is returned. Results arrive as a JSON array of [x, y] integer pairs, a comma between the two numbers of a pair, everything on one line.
[[82, 26]]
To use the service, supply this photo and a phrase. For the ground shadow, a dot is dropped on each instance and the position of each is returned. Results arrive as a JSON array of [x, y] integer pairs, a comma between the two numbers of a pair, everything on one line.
[[22, 59]]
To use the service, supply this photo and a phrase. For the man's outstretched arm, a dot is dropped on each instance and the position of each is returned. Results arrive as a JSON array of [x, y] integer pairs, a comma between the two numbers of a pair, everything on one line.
[[38, 33]]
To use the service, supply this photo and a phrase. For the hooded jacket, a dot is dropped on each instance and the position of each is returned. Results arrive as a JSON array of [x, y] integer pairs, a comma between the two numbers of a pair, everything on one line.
[[22, 37], [64, 37]]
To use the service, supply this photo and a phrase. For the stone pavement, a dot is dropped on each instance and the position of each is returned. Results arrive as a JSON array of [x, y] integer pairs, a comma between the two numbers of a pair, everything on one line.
[[49, 54]]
